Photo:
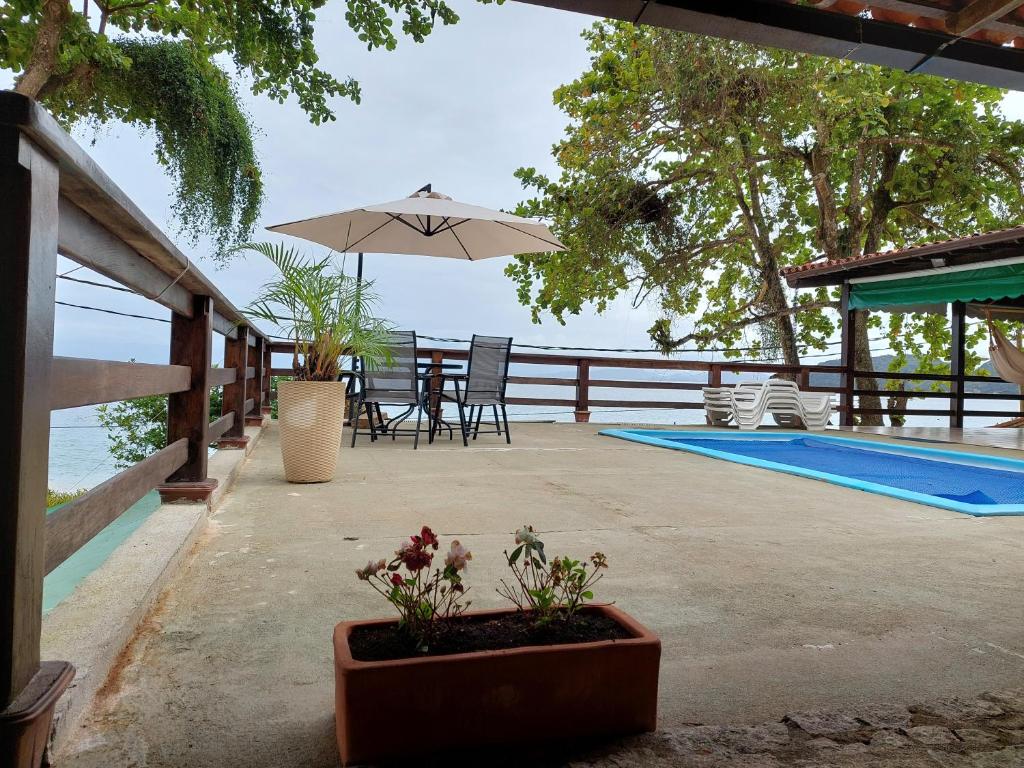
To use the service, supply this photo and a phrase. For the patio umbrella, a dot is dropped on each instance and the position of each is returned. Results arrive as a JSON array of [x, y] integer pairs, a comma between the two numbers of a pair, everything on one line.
[[426, 223]]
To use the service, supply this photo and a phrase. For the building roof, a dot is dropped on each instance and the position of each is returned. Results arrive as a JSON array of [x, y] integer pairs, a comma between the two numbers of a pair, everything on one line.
[[971, 249], [980, 41]]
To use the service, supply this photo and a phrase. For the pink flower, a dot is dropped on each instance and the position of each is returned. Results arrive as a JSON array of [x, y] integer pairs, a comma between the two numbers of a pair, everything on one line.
[[525, 535], [372, 569], [413, 556], [427, 537], [458, 556]]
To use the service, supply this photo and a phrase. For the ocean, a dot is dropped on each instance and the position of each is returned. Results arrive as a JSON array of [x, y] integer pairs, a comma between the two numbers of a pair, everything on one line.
[[79, 455]]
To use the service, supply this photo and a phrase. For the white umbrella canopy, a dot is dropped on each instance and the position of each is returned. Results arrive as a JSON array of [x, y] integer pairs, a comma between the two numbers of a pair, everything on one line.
[[426, 224]]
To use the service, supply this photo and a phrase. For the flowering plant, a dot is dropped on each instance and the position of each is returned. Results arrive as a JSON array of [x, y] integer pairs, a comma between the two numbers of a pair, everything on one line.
[[555, 590], [421, 596]]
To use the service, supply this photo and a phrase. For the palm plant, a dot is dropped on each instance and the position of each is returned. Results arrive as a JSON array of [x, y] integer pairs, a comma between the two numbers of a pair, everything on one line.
[[326, 313]]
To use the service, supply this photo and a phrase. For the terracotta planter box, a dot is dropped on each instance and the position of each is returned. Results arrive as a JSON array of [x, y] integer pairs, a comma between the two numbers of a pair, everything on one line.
[[561, 693], [25, 725]]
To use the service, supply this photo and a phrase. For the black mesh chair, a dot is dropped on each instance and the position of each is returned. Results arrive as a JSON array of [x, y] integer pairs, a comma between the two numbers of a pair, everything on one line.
[[395, 382], [483, 385]]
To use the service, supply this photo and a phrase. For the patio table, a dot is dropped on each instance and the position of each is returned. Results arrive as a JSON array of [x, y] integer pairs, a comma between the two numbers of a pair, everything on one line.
[[433, 382]]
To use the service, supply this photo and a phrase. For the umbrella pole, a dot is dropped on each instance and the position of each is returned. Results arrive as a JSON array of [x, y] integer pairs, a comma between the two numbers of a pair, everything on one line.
[[354, 416]]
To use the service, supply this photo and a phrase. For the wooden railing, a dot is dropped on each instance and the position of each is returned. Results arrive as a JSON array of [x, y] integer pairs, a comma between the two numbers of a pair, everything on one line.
[[55, 200], [956, 393], [585, 390], [581, 385]]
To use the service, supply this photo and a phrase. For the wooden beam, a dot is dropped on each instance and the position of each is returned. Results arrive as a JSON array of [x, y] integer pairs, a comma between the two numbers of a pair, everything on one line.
[[236, 353], [957, 363], [28, 231], [188, 412], [848, 354], [582, 412], [978, 13], [224, 326], [85, 241], [73, 525], [616, 384], [265, 379], [78, 381], [218, 377], [220, 426], [799, 27], [87, 186], [675, 404]]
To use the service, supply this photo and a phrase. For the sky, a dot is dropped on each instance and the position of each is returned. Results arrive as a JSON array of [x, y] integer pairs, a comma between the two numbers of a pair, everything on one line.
[[462, 111]]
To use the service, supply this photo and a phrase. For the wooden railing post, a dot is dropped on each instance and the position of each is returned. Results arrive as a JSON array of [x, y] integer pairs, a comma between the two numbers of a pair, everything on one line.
[[715, 375], [236, 355], [582, 412], [28, 231], [265, 377], [255, 389], [848, 317], [188, 412], [957, 364]]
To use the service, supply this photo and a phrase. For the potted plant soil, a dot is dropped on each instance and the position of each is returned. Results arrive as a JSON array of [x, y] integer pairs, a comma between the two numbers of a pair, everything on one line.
[[328, 315], [553, 669]]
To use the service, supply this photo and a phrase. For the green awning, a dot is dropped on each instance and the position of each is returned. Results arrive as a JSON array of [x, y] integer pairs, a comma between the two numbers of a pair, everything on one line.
[[986, 284]]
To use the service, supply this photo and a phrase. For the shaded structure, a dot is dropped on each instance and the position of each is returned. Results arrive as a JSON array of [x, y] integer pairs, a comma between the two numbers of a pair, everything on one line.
[[980, 41], [979, 275]]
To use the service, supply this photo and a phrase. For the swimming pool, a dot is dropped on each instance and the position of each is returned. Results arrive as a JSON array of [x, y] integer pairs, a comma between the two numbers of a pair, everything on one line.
[[963, 482]]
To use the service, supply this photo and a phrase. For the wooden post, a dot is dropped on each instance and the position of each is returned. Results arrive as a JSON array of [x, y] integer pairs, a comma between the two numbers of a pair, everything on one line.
[[236, 355], [715, 375], [266, 377], [28, 231], [188, 412], [957, 364], [255, 417], [582, 391], [848, 318]]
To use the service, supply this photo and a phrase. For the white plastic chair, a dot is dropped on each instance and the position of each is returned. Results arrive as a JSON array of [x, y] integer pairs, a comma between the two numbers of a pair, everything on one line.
[[751, 401]]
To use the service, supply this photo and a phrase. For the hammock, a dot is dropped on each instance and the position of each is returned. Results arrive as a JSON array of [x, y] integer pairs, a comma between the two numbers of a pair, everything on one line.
[[1007, 358]]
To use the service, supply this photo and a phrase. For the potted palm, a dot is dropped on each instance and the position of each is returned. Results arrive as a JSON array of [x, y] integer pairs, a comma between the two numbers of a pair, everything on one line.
[[328, 315]]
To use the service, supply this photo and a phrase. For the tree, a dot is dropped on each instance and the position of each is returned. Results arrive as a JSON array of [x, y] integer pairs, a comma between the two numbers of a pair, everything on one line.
[[136, 428], [154, 64], [693, 169]]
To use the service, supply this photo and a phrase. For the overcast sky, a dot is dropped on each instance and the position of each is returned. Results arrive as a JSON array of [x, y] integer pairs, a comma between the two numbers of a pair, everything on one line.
[[462, 110]]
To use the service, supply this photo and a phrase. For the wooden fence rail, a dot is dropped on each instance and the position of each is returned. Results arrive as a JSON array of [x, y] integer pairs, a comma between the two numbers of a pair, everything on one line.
[[583, 383], [57, 200]]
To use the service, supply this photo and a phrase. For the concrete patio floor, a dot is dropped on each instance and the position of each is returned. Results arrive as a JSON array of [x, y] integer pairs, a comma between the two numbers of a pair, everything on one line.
[[771, 593]]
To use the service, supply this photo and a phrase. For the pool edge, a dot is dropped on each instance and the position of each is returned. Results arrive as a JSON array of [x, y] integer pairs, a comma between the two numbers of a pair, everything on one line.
[[974, 510]]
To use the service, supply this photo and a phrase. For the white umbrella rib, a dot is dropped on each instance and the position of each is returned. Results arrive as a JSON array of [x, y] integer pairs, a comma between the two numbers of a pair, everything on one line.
[[530, 234]]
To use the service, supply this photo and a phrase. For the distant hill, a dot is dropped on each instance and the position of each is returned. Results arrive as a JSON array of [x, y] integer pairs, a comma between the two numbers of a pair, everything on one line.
[[882, 364]]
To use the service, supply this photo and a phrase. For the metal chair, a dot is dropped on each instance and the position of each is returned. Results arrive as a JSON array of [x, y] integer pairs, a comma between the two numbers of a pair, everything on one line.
[[484, 382], [393, 383]]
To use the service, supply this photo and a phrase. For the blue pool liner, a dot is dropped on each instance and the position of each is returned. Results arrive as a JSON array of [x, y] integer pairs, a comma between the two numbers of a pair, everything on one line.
[[969, 483]]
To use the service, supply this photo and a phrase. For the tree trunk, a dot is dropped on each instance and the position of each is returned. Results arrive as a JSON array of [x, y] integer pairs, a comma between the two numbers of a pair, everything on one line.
[[42, 62], [777, 301], [862, 357]]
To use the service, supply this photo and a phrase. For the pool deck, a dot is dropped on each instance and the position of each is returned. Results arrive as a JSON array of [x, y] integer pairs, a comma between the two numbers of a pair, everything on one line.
[[984, 437], [772, 593]]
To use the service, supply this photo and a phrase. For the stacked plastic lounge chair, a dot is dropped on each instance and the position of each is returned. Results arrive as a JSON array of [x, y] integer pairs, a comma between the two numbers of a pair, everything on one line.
[[750, 403]]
